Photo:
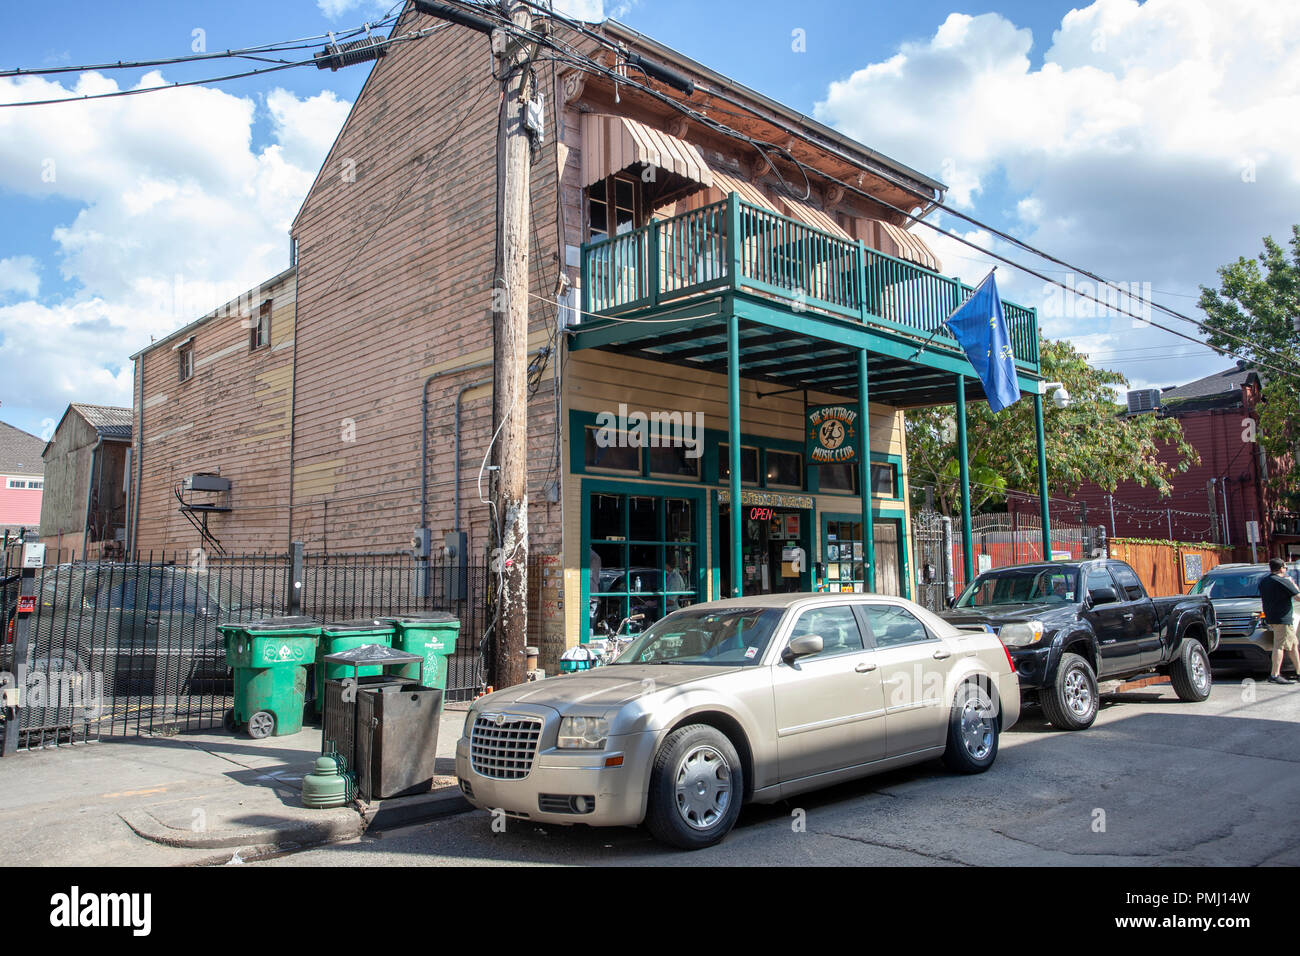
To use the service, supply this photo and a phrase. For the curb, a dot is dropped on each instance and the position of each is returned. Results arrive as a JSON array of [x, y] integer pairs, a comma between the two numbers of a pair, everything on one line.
[[398, 812], [298, 832]]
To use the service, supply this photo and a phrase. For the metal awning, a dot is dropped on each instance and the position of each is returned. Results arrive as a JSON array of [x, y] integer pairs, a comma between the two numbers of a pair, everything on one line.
[[726, 183], [896, 241], [611, 144], [814, 217]]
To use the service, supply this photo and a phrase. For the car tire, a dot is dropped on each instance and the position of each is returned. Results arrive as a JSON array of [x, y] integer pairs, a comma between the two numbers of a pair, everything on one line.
[[1071, 702], [1190, 674], [696, 787], [973, 730]]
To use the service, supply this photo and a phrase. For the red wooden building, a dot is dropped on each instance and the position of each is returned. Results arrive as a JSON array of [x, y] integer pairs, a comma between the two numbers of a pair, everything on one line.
[[1216, 500]]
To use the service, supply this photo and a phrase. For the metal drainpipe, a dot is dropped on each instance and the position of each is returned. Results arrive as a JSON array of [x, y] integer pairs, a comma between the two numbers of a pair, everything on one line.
[[139, 472], [90, 491], [424, 433], [456, 447]]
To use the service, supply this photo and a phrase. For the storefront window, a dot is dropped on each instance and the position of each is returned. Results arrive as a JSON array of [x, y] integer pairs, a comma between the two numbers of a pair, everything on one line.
[[784, 469], [748, 464], [674, 462], [643, 560], [611, 455], [838, 478], [884, 478]]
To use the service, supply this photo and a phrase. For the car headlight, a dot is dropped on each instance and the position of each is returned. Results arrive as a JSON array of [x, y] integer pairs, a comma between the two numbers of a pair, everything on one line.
[[583, 733], [1022, 635], [469, 722]]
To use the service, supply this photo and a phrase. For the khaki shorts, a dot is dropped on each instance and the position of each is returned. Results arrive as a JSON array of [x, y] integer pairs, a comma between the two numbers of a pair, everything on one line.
[[1284, 637]]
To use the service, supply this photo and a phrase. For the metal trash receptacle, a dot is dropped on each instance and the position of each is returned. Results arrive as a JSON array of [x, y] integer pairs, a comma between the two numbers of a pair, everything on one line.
[[269, 659], [342, 636], [397, 743], [432, 635], [389, 746]]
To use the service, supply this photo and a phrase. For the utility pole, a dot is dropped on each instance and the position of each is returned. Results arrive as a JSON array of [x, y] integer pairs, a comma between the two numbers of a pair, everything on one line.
[[510, 350]]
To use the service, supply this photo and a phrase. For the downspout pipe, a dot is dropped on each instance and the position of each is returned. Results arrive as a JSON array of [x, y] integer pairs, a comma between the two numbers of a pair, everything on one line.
[[424, 431], [139, 469], [90, 494]]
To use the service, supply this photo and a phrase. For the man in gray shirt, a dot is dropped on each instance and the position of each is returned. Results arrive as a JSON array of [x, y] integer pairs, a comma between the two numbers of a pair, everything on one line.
[[1278, 593]]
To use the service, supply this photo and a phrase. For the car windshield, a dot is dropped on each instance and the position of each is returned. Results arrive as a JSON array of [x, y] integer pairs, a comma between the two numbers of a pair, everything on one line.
[[1023, 586], [732, 637], [1237, 585]]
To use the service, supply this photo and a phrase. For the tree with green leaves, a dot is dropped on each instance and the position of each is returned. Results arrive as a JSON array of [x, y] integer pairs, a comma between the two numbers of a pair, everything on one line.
[[1091, 440], [1258, 301]]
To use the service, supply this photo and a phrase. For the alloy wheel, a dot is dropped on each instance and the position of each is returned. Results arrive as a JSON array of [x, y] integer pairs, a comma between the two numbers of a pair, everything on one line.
[[1078, 695], [703, 787], [976, 728]]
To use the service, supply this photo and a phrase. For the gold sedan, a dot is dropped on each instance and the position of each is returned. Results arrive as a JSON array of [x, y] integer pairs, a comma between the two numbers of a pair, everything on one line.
[[748, 699]]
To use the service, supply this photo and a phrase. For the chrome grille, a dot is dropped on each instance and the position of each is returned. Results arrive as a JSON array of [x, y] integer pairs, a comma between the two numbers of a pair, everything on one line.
[[503, 745], [1238, 623]]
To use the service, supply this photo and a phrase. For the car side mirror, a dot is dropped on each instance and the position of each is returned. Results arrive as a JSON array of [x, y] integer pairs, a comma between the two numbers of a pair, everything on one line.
[[802, 646], [1102, 596], [952, 602]]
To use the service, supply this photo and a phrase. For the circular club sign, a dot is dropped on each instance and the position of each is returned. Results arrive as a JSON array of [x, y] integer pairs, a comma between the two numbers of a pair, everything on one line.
[[832, 434]]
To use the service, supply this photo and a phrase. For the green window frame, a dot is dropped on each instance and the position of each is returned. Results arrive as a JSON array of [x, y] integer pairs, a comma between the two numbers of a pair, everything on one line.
[[624, 547]]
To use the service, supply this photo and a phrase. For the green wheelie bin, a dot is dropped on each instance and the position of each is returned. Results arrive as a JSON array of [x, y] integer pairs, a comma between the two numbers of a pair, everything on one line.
[[343, 636], [269, 658], [432, 635]]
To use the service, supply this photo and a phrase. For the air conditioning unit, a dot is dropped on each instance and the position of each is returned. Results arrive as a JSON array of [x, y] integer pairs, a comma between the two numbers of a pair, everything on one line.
[[1143, 400]]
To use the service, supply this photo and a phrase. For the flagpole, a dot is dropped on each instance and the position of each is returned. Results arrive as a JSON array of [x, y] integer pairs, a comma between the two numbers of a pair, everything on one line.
[[927, 342]]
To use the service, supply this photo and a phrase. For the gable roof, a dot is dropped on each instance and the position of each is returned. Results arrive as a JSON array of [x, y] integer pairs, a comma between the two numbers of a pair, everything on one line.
[[20, 452], [1225, 385], [112, 422]]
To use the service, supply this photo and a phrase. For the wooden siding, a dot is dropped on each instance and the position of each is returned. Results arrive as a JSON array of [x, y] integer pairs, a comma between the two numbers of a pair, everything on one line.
[[230, 417], [395, 277]]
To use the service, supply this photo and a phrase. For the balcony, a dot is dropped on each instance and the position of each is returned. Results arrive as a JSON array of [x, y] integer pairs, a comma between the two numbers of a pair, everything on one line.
[[733, 246]]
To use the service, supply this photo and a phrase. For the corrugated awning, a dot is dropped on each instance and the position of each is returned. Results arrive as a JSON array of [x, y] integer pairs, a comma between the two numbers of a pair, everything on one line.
[[814, 217], [613, 143], [896, 241], [726, 183]]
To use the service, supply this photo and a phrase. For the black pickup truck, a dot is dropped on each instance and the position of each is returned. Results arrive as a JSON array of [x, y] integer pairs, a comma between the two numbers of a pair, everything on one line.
[[1069, 623]]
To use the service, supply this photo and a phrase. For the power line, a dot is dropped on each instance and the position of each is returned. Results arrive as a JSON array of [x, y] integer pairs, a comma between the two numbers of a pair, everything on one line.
[[378, 45], [302, 43], [585, 62]]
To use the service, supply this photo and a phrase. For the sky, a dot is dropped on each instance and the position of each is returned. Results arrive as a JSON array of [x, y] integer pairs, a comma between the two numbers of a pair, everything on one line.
[[1149, 143]]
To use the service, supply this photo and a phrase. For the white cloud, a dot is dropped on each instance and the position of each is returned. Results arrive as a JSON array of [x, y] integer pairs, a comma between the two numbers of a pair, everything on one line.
[[19, 274], [1155, 142], [178, 213], [336, 8]]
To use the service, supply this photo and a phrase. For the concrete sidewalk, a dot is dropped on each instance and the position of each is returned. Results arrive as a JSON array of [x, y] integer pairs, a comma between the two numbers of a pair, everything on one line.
[[190, 799]]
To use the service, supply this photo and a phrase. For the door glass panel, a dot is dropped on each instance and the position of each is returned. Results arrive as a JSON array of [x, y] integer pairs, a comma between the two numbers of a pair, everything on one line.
[[1128, 581], [893, 626], [643, 518], [836, 626]]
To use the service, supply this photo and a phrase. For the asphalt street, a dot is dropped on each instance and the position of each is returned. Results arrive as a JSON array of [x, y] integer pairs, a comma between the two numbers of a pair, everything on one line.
[[1153, 782]]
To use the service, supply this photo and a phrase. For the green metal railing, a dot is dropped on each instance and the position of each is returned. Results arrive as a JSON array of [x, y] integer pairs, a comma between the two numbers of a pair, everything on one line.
[[733, 244]]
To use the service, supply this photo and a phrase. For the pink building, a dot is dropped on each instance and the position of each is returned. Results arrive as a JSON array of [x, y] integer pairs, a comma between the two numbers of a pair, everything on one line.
[[22, 479]]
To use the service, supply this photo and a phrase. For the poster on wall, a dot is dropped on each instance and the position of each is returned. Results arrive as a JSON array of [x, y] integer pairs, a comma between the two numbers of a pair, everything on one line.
[[832, 434]]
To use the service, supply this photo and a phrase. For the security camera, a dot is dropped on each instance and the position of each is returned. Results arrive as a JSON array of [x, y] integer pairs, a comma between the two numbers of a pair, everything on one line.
[[1060, 395]]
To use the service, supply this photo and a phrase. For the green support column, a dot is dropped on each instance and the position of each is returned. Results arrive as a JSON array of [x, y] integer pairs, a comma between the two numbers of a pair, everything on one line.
[[1042, 478], [963, 465], [864, 477], [733, 449]]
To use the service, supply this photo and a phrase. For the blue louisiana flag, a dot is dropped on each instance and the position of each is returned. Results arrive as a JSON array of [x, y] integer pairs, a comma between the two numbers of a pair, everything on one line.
[[981, 329]]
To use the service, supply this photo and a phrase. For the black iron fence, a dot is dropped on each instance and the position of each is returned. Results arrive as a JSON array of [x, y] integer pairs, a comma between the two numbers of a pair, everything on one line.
[[129, 648]]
